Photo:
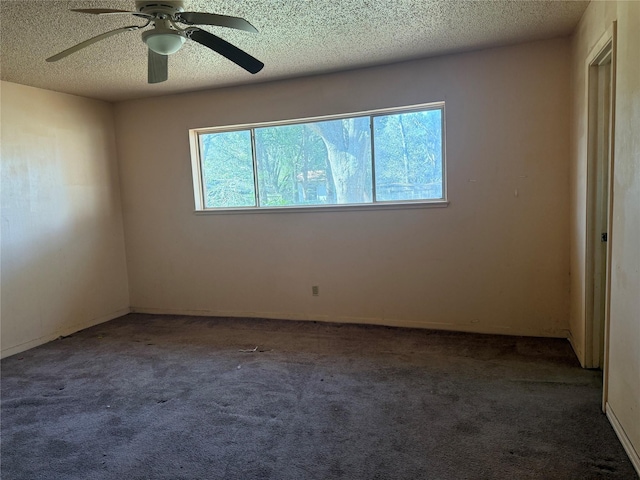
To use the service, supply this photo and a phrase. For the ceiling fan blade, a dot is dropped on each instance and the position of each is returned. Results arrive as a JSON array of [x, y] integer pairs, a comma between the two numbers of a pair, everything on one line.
[[196, 18], [158, 67], [224, 48], [91, 41], [109, 11]]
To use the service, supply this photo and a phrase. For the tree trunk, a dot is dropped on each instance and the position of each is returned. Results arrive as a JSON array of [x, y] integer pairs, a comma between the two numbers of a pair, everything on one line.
[[405, 160], [349, 153]]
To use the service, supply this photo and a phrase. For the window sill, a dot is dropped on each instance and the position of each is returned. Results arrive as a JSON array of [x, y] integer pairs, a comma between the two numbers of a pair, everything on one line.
[[326, 208]]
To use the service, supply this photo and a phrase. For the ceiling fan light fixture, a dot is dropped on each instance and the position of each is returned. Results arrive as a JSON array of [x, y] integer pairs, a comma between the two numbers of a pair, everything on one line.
[[163, 41]]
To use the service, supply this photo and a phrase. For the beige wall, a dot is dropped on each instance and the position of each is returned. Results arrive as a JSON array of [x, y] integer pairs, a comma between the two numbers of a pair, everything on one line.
[[63, 263], [492, 261], [624, 354]]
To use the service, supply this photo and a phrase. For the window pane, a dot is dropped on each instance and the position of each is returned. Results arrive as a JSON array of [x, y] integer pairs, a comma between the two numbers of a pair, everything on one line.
[[227, 169], [315, 163], [408, 156], [292, 167]]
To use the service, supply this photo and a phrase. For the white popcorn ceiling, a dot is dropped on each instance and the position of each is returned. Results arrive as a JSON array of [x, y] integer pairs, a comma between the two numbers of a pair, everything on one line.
[[297, 38]]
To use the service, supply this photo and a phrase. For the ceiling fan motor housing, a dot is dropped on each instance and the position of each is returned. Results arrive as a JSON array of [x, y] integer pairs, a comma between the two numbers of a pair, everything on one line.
[[168, 7]]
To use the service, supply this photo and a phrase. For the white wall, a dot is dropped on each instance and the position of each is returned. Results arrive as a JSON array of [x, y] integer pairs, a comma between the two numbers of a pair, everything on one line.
[[489, 262], [63, 262], [624, 355]]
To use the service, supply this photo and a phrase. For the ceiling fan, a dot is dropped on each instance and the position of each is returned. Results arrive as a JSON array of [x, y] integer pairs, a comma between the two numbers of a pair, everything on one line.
[[168, 35]]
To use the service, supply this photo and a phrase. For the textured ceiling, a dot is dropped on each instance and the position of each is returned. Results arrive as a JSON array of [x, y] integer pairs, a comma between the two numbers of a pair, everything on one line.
[[297, 37]]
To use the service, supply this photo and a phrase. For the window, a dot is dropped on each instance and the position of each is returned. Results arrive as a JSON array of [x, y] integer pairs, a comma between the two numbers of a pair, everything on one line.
[[381, 157]]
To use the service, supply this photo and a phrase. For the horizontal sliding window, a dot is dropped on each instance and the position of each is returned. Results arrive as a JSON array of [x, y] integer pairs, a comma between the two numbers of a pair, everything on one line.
[[389, 156]]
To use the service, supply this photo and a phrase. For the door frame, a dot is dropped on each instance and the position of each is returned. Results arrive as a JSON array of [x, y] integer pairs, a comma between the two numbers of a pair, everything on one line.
[[602, 52]]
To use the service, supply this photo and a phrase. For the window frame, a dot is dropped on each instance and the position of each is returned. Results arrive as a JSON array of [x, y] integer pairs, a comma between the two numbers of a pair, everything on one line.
[[198, 176]]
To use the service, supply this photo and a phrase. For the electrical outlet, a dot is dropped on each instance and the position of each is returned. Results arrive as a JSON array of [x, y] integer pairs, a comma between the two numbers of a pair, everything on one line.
[[315, 290]]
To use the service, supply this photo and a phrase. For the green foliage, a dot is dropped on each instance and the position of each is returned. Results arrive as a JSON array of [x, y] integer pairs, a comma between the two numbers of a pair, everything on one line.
[[290, 159], [408, 149], [227, 169]]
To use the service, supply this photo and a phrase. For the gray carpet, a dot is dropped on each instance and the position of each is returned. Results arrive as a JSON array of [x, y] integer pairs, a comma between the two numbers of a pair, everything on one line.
[[168, 397]]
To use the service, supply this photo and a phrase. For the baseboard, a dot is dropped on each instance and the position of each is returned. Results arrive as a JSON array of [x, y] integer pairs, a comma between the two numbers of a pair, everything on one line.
[[382, 321], [7, 352], [575, 348], [624, 439]]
